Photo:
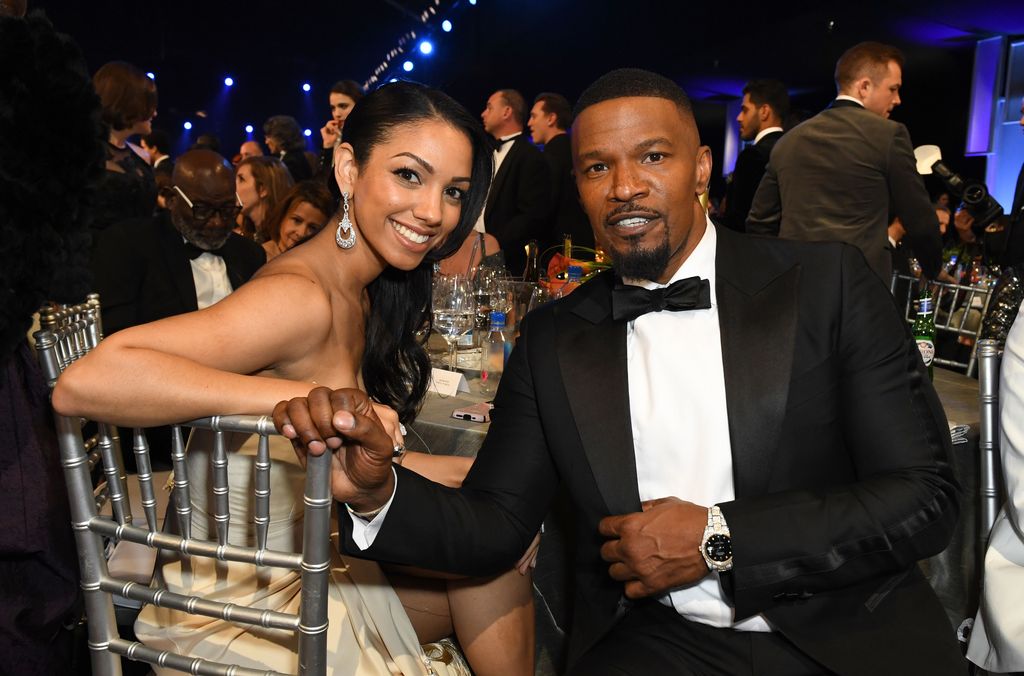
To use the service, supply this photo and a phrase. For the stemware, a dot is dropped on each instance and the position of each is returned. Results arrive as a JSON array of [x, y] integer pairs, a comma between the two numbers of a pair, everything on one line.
[[454, 308]]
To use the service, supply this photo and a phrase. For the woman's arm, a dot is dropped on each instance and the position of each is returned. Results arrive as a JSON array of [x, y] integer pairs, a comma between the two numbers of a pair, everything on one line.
[[197, 364], [448, 470]]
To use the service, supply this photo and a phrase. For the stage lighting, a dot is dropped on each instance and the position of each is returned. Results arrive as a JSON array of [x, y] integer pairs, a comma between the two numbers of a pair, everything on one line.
[[407, 66], [151, 75], [472, 2], [248, 129], [228, 81], [187, 125], [446, 26], [306, 87], [394, 79], [308, 132], [426, 47]]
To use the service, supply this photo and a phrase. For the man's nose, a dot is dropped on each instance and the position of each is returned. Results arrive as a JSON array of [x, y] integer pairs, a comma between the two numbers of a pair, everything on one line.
[[626, 184]]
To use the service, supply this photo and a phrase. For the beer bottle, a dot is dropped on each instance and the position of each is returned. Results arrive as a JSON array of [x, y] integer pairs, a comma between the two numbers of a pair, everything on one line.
[[924, 331]]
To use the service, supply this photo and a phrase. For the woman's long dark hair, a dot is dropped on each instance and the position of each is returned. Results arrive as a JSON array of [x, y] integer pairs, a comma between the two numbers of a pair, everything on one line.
[[396, 369]]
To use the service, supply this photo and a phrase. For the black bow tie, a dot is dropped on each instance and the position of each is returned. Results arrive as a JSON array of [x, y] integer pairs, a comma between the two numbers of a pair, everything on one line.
[[500, 143], [195, 252], [629, 302]]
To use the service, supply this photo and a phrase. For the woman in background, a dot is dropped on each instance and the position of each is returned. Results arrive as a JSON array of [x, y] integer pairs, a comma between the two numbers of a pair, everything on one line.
[[260, 184], [301, 214], [128, 188]]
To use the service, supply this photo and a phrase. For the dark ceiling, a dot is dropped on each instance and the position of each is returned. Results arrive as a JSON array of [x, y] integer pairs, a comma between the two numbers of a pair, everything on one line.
[[711, 48]]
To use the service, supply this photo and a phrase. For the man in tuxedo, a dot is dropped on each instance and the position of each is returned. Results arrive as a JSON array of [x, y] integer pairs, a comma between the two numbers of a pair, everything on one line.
[[517, 204], [844, 173], [756, 456], [180, 260], [765, 105], [549, 121]]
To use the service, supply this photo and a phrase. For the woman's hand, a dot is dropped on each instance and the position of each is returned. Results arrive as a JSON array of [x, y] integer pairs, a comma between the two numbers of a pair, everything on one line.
[[345, 422], [529, 557], [330, 133]]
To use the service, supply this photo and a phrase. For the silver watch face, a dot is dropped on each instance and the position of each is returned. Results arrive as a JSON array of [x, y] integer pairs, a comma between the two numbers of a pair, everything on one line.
[[718, 548]]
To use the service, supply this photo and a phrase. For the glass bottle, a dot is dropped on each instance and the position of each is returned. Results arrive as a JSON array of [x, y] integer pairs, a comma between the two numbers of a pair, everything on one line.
[[494, 354], [531, 273], [924, 332]]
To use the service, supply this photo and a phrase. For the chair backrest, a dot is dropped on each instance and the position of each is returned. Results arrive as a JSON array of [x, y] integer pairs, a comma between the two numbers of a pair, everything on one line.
[[989, 357], [959, 310], [67, 335]]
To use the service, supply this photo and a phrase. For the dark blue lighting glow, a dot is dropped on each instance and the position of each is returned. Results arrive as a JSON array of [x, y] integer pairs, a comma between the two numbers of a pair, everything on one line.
[[987, 57], [248, 129], [229, 81], [306, 87], [187, 125], [151, 75], [308, 132], [446, 26], [408, 66], [426, 47]]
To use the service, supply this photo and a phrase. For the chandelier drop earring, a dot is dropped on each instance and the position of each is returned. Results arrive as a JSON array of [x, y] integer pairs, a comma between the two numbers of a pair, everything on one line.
[[345, 235]]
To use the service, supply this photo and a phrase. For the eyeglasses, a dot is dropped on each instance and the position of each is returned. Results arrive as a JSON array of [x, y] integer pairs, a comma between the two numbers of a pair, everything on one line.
[[204, 212]]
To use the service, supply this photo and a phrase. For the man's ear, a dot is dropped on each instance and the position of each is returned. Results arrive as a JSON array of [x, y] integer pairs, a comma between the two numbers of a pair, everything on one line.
[[703, 170], [862, 87], [345, 169], [764, 112]]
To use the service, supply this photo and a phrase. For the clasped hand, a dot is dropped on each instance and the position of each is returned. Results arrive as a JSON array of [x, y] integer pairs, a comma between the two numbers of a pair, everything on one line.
[[657, 549], [349, 424]]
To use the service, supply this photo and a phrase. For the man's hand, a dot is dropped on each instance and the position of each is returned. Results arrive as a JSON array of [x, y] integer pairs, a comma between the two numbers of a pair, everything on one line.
[[329, 133], [657, 549], [344, 421]]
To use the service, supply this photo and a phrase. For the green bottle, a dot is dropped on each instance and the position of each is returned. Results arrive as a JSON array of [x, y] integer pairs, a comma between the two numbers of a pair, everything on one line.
[[924, 332]]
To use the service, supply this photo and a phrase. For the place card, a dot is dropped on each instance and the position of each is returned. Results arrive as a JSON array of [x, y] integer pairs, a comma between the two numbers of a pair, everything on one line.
[[447, 383]]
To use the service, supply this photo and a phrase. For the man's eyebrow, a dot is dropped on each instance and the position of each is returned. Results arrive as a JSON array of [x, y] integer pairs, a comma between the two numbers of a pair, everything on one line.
[[639, 147], [416, 158]]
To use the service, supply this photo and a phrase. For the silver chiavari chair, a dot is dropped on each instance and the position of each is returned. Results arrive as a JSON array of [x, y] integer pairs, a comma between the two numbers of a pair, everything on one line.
[[68, 335], [989, 357]]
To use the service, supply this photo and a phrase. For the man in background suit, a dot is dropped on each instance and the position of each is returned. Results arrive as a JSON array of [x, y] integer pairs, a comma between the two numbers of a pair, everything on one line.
[[844, 173], [517, 204], [549, 120], [765, 106], [754, 474], [181, 260]]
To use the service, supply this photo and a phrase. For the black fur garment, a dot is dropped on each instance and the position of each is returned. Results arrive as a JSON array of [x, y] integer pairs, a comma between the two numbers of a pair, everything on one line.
[[50, 155]]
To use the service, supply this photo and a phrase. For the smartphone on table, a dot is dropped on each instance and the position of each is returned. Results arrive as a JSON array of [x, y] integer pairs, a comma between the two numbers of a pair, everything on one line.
[[475, 413]]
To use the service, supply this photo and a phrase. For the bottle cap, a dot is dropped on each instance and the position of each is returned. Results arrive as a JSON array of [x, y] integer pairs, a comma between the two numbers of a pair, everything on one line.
[[497, 319]]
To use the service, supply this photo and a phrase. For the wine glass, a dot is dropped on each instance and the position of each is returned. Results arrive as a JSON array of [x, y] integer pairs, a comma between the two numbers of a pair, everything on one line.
[[454, 311]]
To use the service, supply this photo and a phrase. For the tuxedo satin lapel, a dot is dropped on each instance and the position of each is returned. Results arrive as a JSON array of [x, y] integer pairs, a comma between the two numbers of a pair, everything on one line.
[[592, 357], [177, 260], [758, 323]]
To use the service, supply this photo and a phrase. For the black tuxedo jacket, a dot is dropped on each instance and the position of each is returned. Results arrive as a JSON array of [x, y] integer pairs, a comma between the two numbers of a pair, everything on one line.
[[567, 215], [842, 175], [517, 204], [840, 449], [142, 271], [750, 166]]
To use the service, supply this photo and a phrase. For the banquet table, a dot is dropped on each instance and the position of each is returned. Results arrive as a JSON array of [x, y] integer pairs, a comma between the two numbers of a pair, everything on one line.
[[953, 573]]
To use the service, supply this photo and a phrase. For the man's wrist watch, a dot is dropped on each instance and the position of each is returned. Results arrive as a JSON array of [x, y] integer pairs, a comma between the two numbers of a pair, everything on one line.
[[716, 545]]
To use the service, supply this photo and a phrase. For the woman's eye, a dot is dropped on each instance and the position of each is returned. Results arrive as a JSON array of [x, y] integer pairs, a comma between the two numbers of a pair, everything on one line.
[[457, 194], [407, 174]]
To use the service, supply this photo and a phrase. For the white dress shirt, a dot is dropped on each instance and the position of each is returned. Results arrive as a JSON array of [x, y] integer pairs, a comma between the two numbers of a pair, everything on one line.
[[764, 132], [846, 97], [210, 274], [680, 424]]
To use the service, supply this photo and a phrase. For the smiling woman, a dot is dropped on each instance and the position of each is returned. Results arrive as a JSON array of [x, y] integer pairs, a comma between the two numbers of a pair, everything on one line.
[[416, 167], [300, 215]]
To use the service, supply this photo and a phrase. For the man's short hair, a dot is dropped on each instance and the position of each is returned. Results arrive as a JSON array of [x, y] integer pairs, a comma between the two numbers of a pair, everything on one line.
[[514, 100], [771, 92], [867, 58], [557, 104], [625, 82], [286, 130], [158, 139]]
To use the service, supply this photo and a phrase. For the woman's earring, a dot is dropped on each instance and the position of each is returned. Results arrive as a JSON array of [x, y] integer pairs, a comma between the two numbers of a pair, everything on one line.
[[345, 236]]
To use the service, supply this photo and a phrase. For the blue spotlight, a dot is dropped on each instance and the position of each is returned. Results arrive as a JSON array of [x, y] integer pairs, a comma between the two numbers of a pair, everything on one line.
[[446, 26], [308, 132], [228, 81], [306, 87], [187, 125], [151, 75], [426, 47], [407, 66], [248, 129], [472, 2], [394, 79]]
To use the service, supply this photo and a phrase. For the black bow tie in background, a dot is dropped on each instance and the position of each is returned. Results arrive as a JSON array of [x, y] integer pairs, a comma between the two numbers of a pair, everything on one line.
[[500, 143], [195, 252], [629, 302]]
